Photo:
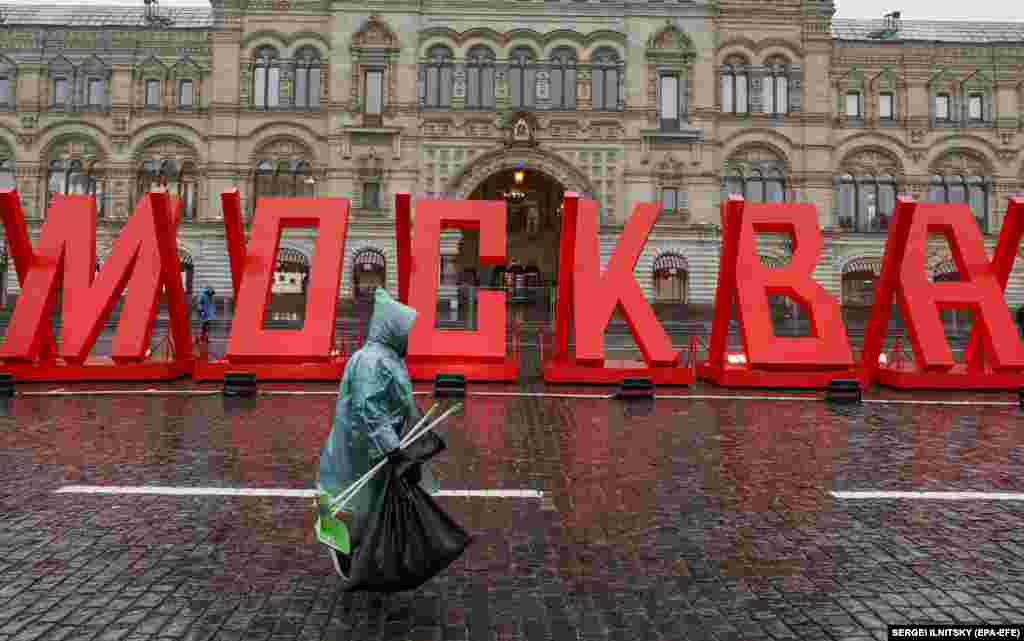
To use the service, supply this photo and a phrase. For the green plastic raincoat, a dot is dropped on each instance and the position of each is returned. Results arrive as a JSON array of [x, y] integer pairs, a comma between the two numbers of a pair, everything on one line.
[[375, 401]]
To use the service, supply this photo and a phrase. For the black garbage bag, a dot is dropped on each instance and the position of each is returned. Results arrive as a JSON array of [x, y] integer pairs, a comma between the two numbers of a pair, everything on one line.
[[408, 539]]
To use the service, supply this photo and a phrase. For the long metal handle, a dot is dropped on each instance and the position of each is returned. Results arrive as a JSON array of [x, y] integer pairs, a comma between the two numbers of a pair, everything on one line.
[[345, 497]]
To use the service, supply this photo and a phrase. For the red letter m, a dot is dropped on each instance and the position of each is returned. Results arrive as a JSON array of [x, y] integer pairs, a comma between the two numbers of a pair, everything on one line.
[[144, 257]]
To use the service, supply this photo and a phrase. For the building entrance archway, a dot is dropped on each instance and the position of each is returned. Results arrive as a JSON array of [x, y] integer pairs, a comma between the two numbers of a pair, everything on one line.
[[534, 202]]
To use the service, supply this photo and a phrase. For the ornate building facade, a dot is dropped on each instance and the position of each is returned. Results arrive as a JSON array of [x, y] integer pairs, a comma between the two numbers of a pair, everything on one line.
[[626, 101]]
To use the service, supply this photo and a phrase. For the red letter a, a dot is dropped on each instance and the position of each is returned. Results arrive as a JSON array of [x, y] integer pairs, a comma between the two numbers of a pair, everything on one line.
[[904, 271]]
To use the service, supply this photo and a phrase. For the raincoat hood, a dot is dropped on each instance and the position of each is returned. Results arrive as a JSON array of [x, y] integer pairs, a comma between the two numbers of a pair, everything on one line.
[[391, 322]]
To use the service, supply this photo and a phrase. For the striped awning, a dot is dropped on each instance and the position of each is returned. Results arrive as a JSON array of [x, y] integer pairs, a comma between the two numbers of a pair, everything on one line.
[[291, 260], [872, 265], [369, 259], [670, 263]]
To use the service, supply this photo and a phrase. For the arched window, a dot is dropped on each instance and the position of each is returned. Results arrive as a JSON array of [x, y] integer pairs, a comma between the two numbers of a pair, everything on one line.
[[760, 184], [284, 178], [266, 79], [369, 271], [973, 190], [7, 174], [671, 273], [563, 78], [480, 78], [776, 88], [72, 177], [522, 78], [439, 77], [734, 87], [307, 78], [605, 80], [866, 202]]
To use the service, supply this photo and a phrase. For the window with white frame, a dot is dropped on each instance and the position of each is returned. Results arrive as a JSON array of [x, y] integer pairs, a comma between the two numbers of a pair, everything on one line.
[[152, 98], [185, 94], [668, 102], [976, 107], [374, 80], [440, 76], [307, 78], [563, 78], [266, 83], [886, 106], [605, 79], [480, 78], [735, 84], [943, 105], [522, 78], [7, 180], [854, 103]]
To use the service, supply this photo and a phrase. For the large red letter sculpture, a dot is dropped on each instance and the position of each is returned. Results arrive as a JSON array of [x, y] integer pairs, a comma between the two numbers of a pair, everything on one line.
[[904, 273], [769, 360], [303, 354], [144, 256], [478, 355], [594, 296]]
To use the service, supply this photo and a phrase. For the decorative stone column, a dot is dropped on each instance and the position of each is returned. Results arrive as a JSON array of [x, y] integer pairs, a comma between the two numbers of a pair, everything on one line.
[[583, 87]]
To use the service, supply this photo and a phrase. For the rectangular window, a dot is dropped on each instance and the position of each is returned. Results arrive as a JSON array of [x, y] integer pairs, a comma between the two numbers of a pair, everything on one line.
[[371, 196], [301, 88], [274, 87], [741, 93], [95, 92], [374, 92], [669, 103], [781, 94], [185, 93], [314, 87], [152, 93], [669, 200], [974, 106], [259, 81], [853, 104], [886, 110], [942, 106], [727, 86], [60, 91], [5, 91]]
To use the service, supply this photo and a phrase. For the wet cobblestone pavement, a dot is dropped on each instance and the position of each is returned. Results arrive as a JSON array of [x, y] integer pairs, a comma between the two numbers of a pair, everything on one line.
[[685, 519]]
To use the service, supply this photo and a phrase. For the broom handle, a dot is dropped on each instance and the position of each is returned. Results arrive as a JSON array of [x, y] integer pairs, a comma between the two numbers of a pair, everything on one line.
[[358, 485], [343, 499]]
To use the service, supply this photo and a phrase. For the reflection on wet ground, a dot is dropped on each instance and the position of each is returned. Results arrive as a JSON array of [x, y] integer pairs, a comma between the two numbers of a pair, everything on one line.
[[681, 519]]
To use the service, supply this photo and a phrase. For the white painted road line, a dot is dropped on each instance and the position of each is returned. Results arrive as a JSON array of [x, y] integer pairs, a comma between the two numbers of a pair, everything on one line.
[[256, 491], [934, 496]]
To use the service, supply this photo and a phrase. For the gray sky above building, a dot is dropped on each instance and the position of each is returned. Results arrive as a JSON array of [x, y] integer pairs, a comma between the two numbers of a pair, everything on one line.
[[987, 10]]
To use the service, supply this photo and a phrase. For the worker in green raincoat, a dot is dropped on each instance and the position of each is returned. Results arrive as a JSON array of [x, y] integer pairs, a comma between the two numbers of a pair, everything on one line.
[[375, 401]]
